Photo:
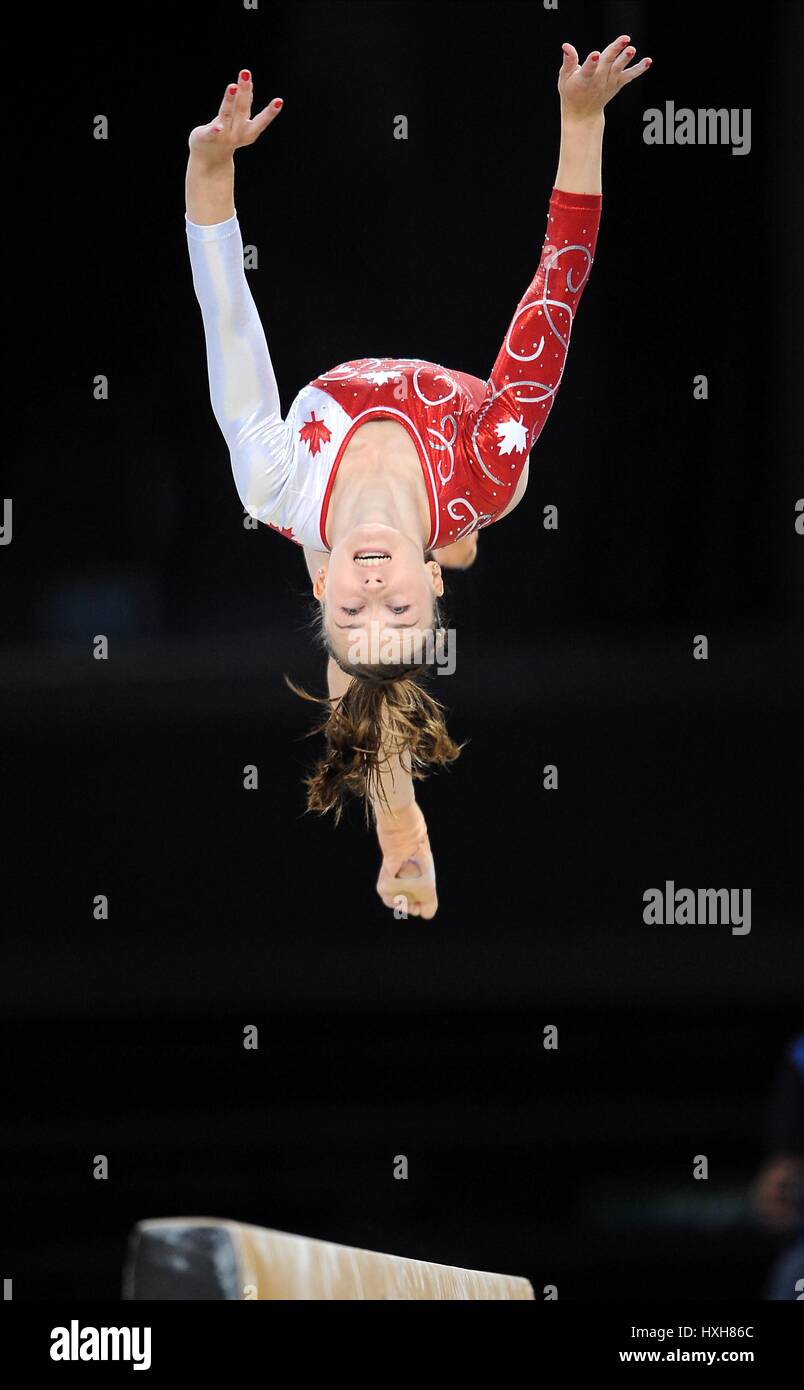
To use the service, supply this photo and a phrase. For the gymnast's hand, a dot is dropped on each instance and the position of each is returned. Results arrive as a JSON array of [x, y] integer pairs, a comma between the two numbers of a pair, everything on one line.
[[234, 124], [407, 880], [410, 887], [585, 88]]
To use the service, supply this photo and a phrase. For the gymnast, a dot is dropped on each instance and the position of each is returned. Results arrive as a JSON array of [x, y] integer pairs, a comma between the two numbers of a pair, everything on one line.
[[384, 469]]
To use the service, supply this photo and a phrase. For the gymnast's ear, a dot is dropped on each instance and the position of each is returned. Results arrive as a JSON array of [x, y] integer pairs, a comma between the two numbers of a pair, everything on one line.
[[320, 582], [438, 581]]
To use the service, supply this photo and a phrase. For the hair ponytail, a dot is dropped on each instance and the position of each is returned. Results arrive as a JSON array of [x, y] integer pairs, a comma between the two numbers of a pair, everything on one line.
[[384, 712]]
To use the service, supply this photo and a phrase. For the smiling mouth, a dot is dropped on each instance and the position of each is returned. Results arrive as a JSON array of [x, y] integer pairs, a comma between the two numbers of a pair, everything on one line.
[[368, 558]]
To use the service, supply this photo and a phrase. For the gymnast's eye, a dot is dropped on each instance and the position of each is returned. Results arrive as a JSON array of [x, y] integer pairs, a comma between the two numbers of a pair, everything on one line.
[[351, 612], [404, 609]]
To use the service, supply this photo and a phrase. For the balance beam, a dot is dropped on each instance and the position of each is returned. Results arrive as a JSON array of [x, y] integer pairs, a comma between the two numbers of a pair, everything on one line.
[[204, 1258]]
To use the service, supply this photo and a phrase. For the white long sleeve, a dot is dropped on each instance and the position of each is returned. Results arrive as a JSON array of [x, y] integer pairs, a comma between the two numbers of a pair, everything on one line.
[[242, 385]]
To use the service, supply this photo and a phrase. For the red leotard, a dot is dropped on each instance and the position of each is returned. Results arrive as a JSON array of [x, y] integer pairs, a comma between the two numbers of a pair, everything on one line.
[[472, 437]]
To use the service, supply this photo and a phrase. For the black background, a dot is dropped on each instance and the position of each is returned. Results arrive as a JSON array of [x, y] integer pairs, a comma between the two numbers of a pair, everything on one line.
[[230, 908]]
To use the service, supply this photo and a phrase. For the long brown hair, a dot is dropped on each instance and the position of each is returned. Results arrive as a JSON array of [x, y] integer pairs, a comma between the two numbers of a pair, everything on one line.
[[384, 712]]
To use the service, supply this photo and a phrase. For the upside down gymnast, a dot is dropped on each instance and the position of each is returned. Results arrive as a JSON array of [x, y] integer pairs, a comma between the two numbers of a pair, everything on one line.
[[384, 469]]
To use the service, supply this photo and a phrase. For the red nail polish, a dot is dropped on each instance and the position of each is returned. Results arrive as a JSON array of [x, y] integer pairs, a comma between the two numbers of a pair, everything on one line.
[[279, 103], [232, 91], [246, 75], [594, 57]]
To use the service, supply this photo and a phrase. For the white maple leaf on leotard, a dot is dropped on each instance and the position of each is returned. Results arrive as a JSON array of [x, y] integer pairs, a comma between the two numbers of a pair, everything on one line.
[[513, 436], [380, 377]]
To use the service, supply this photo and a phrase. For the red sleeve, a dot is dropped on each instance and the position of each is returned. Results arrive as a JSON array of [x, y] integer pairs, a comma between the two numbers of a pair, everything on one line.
[[527, 373]]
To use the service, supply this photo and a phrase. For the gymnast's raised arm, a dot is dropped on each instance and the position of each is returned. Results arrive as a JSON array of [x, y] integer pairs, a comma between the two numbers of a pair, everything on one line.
[[585, 89], [524, 381], [243, 388]]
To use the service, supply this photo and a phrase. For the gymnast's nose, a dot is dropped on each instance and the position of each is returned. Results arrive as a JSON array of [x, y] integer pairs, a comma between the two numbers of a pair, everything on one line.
[[373, 581]]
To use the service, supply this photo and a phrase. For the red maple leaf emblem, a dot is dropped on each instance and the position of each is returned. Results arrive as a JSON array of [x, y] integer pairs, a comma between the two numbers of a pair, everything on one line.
[[315, 433], [283, 531]]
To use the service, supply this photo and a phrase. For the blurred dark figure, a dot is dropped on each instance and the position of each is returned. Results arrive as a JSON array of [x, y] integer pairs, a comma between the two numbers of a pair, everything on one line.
[[779, 1187]]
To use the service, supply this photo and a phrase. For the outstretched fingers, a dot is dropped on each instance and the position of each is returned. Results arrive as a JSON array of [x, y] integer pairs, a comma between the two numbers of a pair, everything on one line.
[[570, 62], [244, 95], [234, 116], [226, 112], [612, 59], [622, 58], [252, 126], [573, 64], [263, 118], [618, 54], [628, 74], [614, 50]]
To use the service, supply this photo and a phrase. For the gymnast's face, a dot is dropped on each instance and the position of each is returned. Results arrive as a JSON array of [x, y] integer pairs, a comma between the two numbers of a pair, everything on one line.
[[377, 593]]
